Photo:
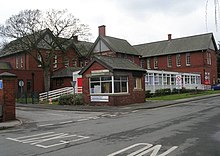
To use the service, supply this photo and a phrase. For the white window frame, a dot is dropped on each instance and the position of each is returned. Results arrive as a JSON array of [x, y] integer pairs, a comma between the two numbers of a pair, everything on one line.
[[178, 60], [209, 58], [74, 62], [188, 63], [17, 62], [39, 59], [66, 62], [112, 81], [22, 62], [169, 61], [55, 61], [148, 63]]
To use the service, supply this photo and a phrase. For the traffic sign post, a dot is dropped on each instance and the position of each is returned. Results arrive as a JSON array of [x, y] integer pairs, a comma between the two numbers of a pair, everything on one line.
[[179, 81]]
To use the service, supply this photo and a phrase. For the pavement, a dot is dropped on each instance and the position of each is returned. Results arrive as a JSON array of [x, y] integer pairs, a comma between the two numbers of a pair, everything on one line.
[[127, 108]]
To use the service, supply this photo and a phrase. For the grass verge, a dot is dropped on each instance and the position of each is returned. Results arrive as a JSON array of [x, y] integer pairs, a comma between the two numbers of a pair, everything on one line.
[[183, 95]]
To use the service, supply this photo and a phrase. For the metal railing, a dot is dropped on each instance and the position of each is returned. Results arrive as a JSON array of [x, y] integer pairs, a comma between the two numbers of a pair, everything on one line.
[[55, 94]]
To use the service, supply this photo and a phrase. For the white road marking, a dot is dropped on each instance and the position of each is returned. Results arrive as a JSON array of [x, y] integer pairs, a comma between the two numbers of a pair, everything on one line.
[[148, 148], [45, 125], [82, 119], [49, 139], [65, 122]]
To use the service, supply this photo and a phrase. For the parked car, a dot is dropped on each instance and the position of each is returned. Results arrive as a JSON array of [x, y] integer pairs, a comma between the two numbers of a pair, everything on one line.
[[216, 87]]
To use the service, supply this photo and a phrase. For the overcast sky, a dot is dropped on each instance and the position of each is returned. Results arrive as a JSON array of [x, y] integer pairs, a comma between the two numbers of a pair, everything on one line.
[[137, 21]]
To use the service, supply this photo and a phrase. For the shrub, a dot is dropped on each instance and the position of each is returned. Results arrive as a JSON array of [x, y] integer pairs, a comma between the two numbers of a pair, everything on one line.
[[148, 94], [70, 99], [160, 92]]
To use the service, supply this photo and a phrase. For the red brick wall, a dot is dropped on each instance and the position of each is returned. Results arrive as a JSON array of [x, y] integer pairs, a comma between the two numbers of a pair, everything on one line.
[[198, 64], [7, 96], [27, 75]]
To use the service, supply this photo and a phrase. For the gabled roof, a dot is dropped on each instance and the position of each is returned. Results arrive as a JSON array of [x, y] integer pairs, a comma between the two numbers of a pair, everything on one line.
[[114, 63], [65, 72], [15, 46], [83, 47], [179, 45], [116, 45]]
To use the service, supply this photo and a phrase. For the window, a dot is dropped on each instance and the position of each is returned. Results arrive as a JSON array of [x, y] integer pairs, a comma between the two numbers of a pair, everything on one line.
[[74, 61], [86, 62], [193, 79], [178, 60], [187, 59], [169, 61], [155, 63], [66, 62], [209, 58], [22, 63], [55, 61], [16, 62], [142, 63], [39, 58], [156, 79], [120, 84], [137, 83], [132, 58], [103, 84], [148, 63], [187, 79], [81, 64]]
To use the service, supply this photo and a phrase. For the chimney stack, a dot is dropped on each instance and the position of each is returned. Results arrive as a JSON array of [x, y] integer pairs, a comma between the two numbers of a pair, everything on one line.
[[169, 36], [102, 30]]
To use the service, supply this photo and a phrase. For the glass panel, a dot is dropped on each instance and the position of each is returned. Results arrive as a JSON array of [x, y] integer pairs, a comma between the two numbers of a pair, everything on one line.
[[95, 79], [106, 87]]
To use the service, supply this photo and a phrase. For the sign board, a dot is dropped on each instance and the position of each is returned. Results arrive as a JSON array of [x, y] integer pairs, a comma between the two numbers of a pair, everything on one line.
[[179, 81], [1, 84], [21, 83], [100, 72], [99, 98]]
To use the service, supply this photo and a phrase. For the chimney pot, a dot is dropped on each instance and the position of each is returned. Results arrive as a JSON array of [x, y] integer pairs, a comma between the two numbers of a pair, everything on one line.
[[169, 36], [102, 30], [75, 38]]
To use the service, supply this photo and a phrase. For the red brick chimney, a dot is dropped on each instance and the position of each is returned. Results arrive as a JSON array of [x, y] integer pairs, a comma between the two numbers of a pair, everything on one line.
[[102, 30], [169, 36]]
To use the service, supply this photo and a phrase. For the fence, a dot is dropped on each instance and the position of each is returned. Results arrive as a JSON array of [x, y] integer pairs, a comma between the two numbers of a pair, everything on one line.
[[55, 94]]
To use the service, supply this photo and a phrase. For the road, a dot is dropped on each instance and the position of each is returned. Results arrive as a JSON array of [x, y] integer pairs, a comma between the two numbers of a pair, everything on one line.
[[187, 129]]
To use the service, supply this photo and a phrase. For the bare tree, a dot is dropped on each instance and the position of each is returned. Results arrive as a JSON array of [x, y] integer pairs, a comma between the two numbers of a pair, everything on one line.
[[35, 31]]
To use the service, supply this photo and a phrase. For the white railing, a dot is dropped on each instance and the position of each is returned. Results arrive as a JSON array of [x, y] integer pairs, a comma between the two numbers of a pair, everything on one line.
[[55, 94]]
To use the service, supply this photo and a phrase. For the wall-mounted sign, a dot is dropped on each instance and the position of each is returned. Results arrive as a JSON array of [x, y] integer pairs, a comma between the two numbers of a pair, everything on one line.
[[1, 84], [99, 72], [99, 98]]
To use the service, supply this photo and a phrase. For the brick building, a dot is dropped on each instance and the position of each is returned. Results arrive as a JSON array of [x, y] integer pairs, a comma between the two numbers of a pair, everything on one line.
[[113, 81], [16, 60], [192, 54]]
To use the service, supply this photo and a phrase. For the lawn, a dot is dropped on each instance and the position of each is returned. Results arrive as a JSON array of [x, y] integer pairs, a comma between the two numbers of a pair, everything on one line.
[[183, 95]]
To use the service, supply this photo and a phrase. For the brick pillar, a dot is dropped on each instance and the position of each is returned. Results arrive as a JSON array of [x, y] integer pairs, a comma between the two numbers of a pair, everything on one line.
[[7, 96]]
